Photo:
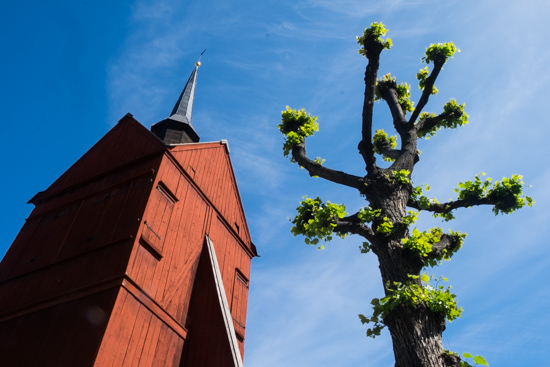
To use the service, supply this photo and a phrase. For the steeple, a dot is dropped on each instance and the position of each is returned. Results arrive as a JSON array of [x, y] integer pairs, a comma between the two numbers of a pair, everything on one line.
[[177, 129]]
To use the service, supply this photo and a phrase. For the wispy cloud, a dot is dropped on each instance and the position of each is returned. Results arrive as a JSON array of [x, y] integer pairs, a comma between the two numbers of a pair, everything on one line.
[[303, 303], [314, 295], [362, 9]]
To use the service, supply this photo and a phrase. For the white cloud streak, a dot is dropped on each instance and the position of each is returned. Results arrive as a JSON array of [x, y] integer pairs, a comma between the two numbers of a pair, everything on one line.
[[303, 306]]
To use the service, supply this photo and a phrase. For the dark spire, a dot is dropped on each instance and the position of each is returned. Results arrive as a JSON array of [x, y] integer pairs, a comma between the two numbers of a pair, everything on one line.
[[177, 128], [184, 106]]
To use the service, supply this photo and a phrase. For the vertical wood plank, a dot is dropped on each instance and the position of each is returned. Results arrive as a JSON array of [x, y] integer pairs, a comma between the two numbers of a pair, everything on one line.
[[138, 337]]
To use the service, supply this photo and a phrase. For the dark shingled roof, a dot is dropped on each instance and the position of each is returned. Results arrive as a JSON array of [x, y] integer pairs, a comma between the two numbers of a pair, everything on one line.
[[177, 128]]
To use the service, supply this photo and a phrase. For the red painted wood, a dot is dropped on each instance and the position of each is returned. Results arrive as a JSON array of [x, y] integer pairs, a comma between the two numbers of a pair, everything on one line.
[[122, 231], [62, 278], [239, 301], [136, 337], [137, 340], [232, 258], [17, 248], [147, 356], [115, 149], [214, 175], [53, 336]]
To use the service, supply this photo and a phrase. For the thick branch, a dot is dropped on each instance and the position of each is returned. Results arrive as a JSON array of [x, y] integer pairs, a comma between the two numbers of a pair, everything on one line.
[[449, 206], [352, 224], [392, 99], [407, 157], [429, 123], [373, 50], [384, 147], [316, 169], [428, 87], [446, 243]]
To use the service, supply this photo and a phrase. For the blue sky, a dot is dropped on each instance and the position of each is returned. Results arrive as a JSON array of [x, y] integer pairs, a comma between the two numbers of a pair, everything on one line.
[[72, 69]]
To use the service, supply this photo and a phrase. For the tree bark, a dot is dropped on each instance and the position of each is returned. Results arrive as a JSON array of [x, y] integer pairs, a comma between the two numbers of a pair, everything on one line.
[[416, 331], [416, 335]]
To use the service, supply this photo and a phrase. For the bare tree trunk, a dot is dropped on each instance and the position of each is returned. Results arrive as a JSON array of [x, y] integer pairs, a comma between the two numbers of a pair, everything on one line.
[[416, 331], [416, 335]]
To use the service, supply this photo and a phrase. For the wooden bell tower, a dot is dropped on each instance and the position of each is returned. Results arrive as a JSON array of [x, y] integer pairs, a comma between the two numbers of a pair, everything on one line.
[[138, 255]]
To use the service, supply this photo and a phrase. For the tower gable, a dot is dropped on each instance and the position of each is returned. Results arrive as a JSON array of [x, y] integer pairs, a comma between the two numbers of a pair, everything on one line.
[[209, 166]]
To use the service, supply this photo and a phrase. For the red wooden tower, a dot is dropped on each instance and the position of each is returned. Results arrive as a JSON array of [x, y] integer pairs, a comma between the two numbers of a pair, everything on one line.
[[138, 255]]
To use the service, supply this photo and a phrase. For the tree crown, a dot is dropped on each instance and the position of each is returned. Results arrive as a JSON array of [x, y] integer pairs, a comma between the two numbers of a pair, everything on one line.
[[387, 222]]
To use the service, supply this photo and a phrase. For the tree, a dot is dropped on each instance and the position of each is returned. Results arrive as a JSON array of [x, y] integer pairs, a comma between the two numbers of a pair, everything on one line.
[[415, 305]]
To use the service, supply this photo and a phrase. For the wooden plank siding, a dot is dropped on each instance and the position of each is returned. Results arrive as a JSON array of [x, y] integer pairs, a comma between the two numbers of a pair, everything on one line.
[[115, 150], [62, 250], [232, 258], [168, 277], [167, 273], [214, 175], [64, 335], [17, 248], [73, 227], [137, 337], [63, 278], [110, 259]]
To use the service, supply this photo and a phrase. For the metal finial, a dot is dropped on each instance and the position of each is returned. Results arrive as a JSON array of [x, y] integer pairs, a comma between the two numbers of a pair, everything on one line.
[[198, 63]]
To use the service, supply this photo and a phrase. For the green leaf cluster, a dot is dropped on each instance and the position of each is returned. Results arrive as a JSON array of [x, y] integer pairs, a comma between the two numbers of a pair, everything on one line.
[[422, 76], [439, 53], [458, 237], [295, 126], [446, 216], [374, 33], [319, 160], [386, 227], [416, 195], [478, 360], [365, 247], [316, 220], [421, 242], [385, 82], [403, 91], [403, 95], [506, 194], [380, 136], [367, 214], [473, 189], [401, 176], [437, 298], [410, 218], [379, 312], [427, 133], [457, 117]]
